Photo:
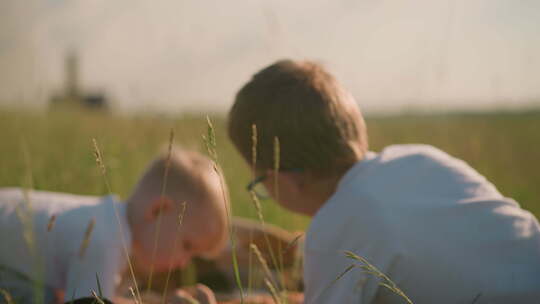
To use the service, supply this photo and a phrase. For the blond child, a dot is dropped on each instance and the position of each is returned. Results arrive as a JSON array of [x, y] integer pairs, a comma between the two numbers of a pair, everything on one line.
[[65, 241], [439, 229]]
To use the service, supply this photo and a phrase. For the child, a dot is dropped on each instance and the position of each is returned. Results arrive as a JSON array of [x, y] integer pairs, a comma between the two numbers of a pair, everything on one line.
[[67, 241], [435, 226]]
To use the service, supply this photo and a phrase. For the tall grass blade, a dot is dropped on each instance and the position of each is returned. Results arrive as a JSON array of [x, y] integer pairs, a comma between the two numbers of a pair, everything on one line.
[[292, 243], [25, 214], [369, 268], [50, 224], [269, 279], [87, 236], [263, 262], [277, 263], [210, 142], [254, 140], [7, 296], [273, 291], [344, 272], [19, 275], [99, 286], [98, 299], [101, 166], [175, 244], [260, 217], [158, 224], [277, 162], [134, 296], [250, 266], [277, 165]]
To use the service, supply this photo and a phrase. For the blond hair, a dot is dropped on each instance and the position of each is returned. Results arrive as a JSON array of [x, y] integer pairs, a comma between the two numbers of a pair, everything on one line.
[[317, 122], [188, 173], [190, 176]]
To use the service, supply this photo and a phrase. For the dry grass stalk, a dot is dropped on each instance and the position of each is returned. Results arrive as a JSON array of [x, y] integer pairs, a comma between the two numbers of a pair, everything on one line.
[[292, 243], [344, 272], [273, 292], [277, 151], [254, 141], [277, 164], [99, 158], [263, 262], [101, 165], [99, 286], [25, 215], [7, 296], [260, 217], [87, 236], [255, 199], [24, 210], [269, 279], [50, 224], [211, 146], [158, 224], [175, 244], [133, 295], [98, 299], [368, 268]]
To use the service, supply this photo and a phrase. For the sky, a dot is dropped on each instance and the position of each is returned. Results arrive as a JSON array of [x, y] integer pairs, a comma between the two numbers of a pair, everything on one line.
[[172, 55]]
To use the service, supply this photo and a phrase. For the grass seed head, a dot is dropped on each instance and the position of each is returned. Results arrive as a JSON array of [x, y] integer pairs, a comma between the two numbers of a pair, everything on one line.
[[87, 236], [50, 224]]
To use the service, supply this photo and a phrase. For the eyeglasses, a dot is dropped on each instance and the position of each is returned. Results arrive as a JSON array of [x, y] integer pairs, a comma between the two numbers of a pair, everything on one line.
[[259, 189]]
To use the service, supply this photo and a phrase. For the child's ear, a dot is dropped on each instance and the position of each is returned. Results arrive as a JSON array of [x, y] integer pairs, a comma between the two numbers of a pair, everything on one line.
[[160, 204]]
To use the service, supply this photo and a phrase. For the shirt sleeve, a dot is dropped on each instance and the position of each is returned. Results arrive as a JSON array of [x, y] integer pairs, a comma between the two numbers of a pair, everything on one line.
[[99, 261]]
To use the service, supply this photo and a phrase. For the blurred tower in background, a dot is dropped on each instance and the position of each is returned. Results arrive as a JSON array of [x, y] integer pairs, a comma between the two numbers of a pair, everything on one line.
[[72, 76], [73, 95]]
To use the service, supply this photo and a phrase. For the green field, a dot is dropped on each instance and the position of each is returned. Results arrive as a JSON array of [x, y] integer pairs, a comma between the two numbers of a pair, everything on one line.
[[55, 151]]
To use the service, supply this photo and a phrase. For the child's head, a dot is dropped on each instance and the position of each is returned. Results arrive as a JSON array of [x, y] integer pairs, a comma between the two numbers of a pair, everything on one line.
[[320, 128], [190, 178]]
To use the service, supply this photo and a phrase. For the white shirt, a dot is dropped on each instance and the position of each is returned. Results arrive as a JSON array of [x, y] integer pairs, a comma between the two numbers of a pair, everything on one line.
[[64, 265], [435, 226]]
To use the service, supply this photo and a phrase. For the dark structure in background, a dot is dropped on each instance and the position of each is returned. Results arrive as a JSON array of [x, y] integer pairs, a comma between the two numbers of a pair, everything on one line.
[[73, 95]]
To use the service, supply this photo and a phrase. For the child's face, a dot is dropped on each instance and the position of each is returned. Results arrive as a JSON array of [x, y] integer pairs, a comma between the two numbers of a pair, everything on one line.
[[193, 237], [293, 192], [285, 192]]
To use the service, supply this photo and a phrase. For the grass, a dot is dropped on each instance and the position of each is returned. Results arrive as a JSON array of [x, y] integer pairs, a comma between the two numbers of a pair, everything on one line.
[[502, 146], [211, 147], [163, 188], [103, 169], [174, 248], [62, 154], [367, 267]]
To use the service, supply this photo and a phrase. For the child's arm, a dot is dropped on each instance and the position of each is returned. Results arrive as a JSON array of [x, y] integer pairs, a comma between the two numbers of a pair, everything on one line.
[[198, 294]]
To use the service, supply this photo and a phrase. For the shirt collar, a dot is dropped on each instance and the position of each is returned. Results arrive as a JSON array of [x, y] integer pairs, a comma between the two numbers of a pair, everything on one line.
[[346, 179], [356, 170]]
